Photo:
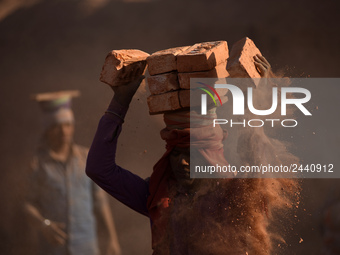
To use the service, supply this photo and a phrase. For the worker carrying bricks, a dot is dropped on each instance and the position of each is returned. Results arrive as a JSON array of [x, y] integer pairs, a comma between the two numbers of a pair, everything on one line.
[[188, 216]]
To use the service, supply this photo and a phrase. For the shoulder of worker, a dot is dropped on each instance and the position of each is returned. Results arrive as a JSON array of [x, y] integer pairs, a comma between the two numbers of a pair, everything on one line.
[[38, 156], [34, 163], [80, 150]]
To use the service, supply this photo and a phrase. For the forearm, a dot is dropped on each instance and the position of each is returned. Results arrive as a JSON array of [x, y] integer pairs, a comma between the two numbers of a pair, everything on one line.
[[102, 155], [34, 215], [101, 165], [113, 247], [105, 223]]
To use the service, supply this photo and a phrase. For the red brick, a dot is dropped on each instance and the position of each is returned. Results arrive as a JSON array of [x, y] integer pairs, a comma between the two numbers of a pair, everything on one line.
[[184, 98], [163, 102], [162, 83], [121, 64], [241, 61], [219, 71], [202, 56], [164, 61]]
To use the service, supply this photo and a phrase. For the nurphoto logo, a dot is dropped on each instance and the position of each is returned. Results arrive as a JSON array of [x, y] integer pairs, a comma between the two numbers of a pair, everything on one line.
[[239, 104]]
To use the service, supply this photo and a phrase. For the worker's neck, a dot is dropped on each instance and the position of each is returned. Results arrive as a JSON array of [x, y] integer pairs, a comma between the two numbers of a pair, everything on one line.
[[61, 152]]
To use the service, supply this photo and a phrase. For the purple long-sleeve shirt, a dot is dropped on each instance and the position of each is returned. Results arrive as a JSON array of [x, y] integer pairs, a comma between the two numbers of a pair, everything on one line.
[[101, 167]]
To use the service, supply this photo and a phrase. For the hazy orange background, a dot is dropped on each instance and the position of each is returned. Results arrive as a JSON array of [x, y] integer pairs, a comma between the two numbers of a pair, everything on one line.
[[57, 44]]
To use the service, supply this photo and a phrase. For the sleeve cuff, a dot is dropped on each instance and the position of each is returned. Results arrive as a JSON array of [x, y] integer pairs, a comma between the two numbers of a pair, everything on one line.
[[117, 109]]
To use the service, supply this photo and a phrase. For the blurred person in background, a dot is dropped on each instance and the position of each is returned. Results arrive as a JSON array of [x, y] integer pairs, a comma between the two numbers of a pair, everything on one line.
[[69, 214]]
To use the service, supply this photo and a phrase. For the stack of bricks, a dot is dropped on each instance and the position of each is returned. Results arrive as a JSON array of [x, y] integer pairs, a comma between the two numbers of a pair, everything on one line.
[[170, 70]]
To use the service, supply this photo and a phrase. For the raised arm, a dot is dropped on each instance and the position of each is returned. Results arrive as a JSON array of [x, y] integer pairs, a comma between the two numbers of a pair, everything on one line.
[[101, 165]]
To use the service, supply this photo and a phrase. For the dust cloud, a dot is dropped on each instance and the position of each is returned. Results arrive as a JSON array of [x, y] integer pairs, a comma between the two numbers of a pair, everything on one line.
[[239, 216]]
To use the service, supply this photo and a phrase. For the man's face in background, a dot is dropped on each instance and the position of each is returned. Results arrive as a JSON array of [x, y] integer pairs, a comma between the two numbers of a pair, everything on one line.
[[60, 134]]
